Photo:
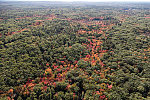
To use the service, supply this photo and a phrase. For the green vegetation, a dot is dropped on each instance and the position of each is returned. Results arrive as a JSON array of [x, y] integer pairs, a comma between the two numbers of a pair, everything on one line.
[[71, 51]]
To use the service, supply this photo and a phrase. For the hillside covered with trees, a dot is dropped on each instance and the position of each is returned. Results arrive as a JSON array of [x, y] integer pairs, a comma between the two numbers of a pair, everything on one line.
[[74, 51]]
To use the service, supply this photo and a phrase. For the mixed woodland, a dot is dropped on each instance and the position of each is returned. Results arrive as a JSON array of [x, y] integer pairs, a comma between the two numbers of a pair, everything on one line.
[[74, 51]]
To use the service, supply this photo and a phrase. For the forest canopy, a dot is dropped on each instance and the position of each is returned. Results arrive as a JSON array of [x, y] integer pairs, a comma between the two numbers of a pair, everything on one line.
[[74, 51]]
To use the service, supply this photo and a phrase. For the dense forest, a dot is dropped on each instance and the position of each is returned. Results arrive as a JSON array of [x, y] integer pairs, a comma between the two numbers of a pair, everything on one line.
[[74, 51]]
